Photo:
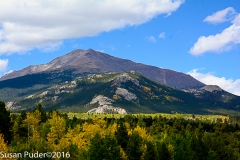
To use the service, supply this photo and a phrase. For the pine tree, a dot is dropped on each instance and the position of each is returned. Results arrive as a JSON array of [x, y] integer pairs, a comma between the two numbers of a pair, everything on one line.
[[103, 148], [133, 149], [5, 122], [150, 153], [122, 136], [162, 151]]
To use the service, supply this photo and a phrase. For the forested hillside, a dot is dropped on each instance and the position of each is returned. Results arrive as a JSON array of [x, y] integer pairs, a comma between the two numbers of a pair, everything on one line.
[[131, 137], [130, 91]]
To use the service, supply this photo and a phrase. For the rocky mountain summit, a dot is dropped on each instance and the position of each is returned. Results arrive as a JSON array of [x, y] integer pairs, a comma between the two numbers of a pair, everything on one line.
[[91, 61]]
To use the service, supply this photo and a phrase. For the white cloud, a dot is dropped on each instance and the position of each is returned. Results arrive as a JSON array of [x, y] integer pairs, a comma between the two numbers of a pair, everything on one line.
[[25, 25], [162, 35], [151, 39], [220, 42], [221, 16], [232, 86], [3, 65]]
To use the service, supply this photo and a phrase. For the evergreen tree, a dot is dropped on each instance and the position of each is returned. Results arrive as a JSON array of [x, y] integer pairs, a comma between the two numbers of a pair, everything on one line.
[[162, 151], [150, 153], [133, 150], [212, 155], [141, 122], [122, 136], [103, 148], [5, 122]]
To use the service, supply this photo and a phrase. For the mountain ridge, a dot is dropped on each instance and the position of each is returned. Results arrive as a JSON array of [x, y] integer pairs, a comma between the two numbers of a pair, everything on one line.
[[128, 92], [97, 62]]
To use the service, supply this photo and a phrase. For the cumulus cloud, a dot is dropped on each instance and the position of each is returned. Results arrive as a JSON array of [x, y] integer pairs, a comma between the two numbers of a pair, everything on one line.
[[232, 86], [25, 25], [151, 39], [3, 65], [162, 35], [221, 16], [220, 42]]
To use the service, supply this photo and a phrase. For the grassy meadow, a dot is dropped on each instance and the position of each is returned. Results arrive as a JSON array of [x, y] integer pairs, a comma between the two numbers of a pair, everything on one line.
[[198, 117]]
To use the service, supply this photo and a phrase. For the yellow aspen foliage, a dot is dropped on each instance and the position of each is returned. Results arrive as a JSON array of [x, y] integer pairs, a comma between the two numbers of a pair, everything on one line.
[[15, 129], [79, 140], [143, 133], [91, 129], [76, 137], [171, 149], [32, 122], [63, 145], [127, 125], [147, 89], [101, 122], [32, 119], [71, 132], [112, 129], [3, 145], [124, 156], [57, 130], [81, 136], [143, 148], [116, 97], [4, 148]]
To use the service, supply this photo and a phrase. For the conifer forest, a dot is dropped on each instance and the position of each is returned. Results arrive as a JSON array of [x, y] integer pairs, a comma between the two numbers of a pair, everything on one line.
[[130, 137]]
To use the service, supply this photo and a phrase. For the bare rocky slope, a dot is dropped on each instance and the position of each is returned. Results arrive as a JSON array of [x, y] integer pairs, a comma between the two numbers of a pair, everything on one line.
[[91, 61]]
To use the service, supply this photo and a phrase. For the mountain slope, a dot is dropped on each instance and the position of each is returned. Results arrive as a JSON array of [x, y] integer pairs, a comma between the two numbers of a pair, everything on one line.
[[90, 61], [130, 92]]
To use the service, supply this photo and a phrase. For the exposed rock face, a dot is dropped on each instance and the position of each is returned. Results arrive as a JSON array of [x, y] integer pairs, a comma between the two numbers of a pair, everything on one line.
[[211, 92], [123, 79], [107, 109], [105, 106], [125, 94], [102, 100], [83, 61], [211, 88], [44, 93], [30, 96], [10, 106]]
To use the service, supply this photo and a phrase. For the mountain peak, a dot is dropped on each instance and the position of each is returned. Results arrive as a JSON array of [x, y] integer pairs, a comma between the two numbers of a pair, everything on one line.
[[91, 61]]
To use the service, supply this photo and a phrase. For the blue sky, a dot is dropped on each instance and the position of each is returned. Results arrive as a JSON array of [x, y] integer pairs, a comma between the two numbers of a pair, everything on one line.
[[197, 37]]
